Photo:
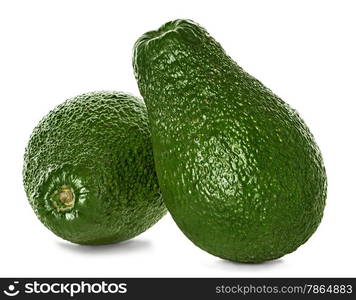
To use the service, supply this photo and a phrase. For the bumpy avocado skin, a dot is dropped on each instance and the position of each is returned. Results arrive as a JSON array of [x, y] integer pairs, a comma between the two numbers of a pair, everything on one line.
[[96, 145], [239, 170]]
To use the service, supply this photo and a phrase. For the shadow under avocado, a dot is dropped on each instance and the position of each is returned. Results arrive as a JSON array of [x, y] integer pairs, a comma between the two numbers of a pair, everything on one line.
[[121, 247], [233, 266]]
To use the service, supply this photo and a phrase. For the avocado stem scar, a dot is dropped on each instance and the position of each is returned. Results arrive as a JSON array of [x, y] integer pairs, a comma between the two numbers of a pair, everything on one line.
[[64, 198]]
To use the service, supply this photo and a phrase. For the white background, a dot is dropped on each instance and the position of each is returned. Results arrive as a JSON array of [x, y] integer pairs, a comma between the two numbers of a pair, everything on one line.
[[52, 50]]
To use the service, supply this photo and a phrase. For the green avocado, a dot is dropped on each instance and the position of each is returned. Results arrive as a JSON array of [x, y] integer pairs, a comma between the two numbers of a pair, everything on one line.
[[239, 170], [89, 171]]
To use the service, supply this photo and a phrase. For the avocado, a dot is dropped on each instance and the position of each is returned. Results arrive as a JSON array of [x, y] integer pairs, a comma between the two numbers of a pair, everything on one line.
[[239, 170], [89, 171]]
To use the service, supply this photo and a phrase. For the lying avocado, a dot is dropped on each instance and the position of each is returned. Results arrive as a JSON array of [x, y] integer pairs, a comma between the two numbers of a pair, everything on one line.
[[89, 172]]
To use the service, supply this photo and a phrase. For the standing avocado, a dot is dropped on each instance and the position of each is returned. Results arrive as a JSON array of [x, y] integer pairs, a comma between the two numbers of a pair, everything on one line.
[[89, 172], [239, 170]]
